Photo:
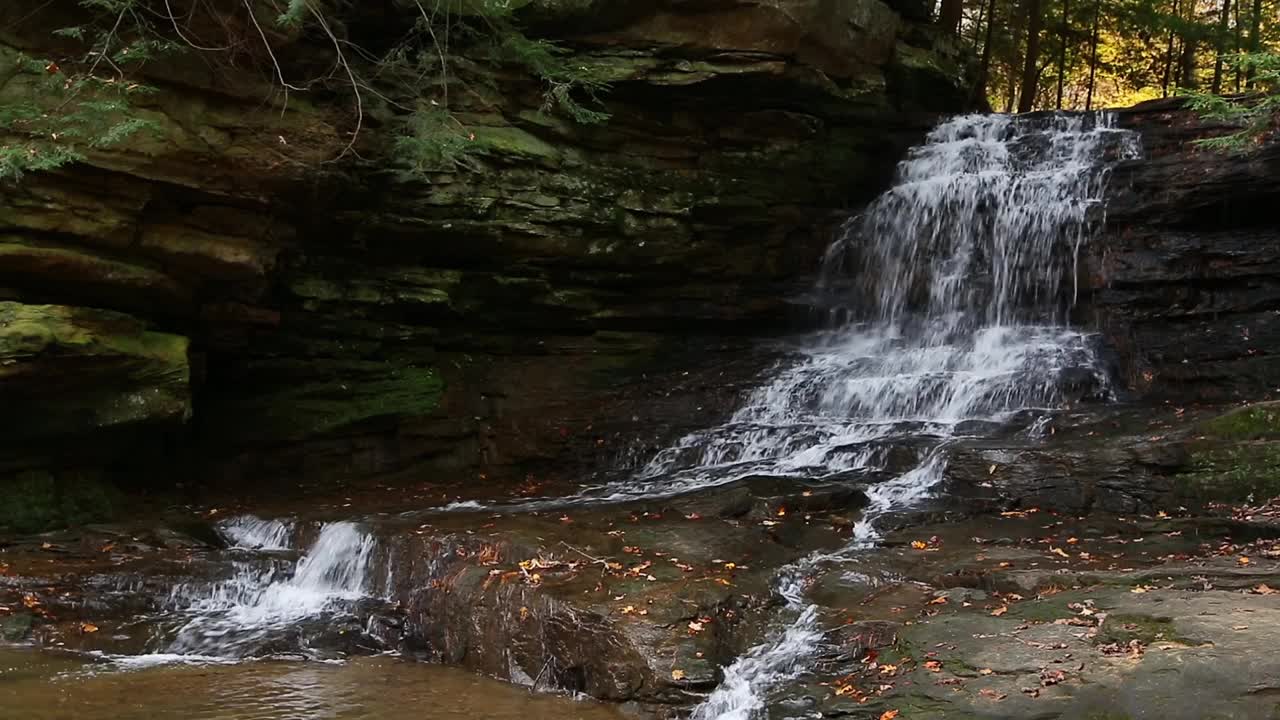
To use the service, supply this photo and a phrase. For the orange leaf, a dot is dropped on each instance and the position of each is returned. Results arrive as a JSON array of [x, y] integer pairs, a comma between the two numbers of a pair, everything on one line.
[[933, 666], [1000, 610], [918, 545], [939, 600], [889, 715]]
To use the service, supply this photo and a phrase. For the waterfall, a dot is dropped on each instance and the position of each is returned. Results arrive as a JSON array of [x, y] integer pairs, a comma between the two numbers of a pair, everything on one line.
[[950, 299], [247, 532], [232, 617]]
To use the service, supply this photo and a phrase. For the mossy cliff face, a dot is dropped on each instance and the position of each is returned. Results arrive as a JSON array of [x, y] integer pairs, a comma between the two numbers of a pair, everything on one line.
[[233, 284]]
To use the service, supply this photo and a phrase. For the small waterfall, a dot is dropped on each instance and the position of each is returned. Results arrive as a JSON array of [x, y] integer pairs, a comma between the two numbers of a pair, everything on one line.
[[247, 532], [950, 298], [233, 617]]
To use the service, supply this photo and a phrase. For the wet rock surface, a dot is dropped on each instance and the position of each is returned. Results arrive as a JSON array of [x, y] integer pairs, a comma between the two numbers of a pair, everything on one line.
[[1183, 279], [1025, 613]]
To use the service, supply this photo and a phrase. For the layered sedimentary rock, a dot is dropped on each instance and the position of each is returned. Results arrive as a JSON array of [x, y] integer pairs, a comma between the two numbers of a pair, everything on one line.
[[1184, 282], [324, 316]]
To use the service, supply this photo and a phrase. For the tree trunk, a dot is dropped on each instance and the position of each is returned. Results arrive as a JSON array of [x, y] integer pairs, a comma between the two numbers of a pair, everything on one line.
[[1220, 46], [1168, 55], [1255, 37], [980, 88], [1030, 71], [977, 26], [1093, 53], [1239, 45], [1187, 64], [1064, 33], [949, 16]]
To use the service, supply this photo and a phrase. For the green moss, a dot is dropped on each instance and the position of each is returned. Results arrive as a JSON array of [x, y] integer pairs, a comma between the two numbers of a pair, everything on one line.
[[1123, 628], [1046, 609], [1235, 473], [514, 142], [91, 368], [78, 266], [1254, 422], [34, 501], [355, 392]]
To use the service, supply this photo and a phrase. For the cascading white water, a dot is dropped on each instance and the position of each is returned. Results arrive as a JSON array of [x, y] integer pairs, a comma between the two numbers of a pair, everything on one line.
[[950, 296], [230, 617], [951, 304], [247, 532]]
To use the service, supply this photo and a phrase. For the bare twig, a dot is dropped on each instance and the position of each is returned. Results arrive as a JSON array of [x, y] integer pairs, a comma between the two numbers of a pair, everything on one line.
[[355, 84], [444, 66], [267, 44], [178, 29]]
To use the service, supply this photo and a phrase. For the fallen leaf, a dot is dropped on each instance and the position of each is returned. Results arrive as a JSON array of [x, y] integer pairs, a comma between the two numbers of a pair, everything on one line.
[[989, 693], [1243, 560], [677, 674], [985, 671], [1264, 589], [888, 669], [939, 600], [696, 627], [888, 715], [918, 545], [88, 627], [1000, 610], [933, 666]]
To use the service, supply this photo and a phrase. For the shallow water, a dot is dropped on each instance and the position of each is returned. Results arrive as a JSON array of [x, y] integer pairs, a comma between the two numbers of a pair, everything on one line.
[[36, 685]]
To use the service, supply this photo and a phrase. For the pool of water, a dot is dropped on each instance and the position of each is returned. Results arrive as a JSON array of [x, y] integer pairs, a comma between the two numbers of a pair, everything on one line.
[[37, 685]]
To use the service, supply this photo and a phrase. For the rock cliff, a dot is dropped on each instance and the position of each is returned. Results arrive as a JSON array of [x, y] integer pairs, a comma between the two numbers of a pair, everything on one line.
[[232, 296]]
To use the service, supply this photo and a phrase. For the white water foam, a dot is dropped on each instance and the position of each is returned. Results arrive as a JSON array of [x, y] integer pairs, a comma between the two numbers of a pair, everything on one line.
[[247, 532], [233, 616]]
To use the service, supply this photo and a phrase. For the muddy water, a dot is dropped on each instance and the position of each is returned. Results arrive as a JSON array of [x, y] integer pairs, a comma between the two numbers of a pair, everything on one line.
[[39, 686]]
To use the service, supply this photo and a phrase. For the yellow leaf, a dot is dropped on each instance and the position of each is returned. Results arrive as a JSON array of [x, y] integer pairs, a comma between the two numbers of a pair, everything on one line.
[[918, 545], [888, 669], [1243, 560], [677, 674], [1059, 551], [88, 628]]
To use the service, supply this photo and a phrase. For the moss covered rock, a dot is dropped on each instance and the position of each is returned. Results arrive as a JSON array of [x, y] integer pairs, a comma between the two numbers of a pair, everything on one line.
[[1235, 457], [88, 369]]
